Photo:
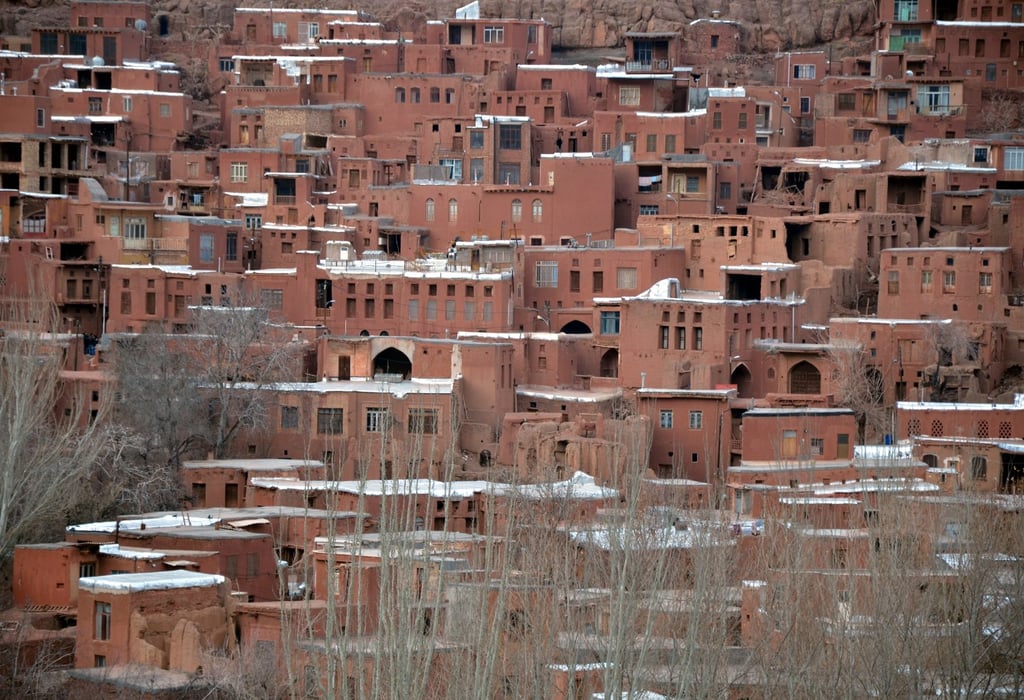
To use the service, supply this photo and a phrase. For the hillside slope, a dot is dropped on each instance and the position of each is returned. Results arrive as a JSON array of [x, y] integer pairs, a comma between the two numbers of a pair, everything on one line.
[[772, 24]]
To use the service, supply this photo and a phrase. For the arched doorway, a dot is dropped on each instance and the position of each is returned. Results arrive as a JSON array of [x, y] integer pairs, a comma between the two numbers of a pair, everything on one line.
[[576, 328], [610, 363], [742, 379], [804, 378], [392, 362]]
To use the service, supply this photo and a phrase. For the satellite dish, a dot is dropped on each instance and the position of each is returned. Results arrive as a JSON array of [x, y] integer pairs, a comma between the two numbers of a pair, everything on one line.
[[140, 24], [96, 61]]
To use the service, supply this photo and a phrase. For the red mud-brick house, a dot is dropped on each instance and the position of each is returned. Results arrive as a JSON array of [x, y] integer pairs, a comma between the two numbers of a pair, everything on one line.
[[162, 619]]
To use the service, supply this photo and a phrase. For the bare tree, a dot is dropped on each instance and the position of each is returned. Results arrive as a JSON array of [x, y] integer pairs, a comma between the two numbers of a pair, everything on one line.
[[51, 464], [199, 389]]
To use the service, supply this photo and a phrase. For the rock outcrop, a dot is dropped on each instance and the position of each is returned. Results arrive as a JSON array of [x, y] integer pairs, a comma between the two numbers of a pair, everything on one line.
[[771, 24]]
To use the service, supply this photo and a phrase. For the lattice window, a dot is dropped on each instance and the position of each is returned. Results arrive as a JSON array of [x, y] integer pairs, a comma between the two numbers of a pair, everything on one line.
[[937, 428], [914, 426], [1005, 431], [983, 428]]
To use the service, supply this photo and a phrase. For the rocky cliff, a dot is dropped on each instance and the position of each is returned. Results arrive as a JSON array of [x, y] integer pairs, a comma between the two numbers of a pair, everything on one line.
[[772, 24]]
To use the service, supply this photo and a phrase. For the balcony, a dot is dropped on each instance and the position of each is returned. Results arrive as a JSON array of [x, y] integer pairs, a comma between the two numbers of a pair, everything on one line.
[[654, 65], [288, 199]]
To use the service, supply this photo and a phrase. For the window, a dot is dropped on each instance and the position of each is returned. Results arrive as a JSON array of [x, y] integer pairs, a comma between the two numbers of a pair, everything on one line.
[[376, 420], [625, 277], [546, 274], [692, 184], [510, 137], [508, 173], [280, 30], [95, 105], [652, 143], [239, 172], [861, 135], [696, 420], [1013, 158], [846, 101], [254, 222], [272, 299], [905, 11], [476, 139], [598, 281], [414, 95], [742, 120], [399, 95], [289, 417], [665, 420], [609, 322], [494, 35], [40, 117], [429, 210], [449, 310], [926, 280], [805, 105], [894, 282], [537, 210], [979, 468], [670, 143], [453, 211], [102, 611], [227, 65], [423, 421], [648, 210], [517, 210], [476, 169], [716, 120], [206, 248], [452, 167], [698, 338], [804, 71], [663, 337], [329, 421], [165, 110], [435, 94], [629, 96], [725, 190], [949, 281], [933, 99], [985, 282], [135, 228], [980, 154]]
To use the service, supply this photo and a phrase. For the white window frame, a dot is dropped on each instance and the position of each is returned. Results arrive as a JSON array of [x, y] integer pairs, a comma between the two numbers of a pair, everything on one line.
[[135, 228], [1013, 158], [239, 172], [376, 419], [696, 420], [665, 419], [494, 35], [545, 274], [629, 96]]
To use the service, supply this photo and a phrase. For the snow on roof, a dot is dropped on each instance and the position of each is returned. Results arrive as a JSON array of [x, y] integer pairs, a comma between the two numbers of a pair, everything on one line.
[[149, 581], [614, 70], [902, 450], [250, 199], [93, 119], [713, 21], [673, 115], [554, 66], [837, 164], [482, 119], [116, 550], [252, 465], [944, 165], [645, 537], [295, 10], [579, 154], [172, 520], [727, 92], [169, 269], [401, 389], [549, 393], [580, 486], [955, 407]]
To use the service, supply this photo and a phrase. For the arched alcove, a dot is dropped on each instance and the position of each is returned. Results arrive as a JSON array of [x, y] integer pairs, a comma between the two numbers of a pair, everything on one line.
[[804, 378], [394, 362]]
